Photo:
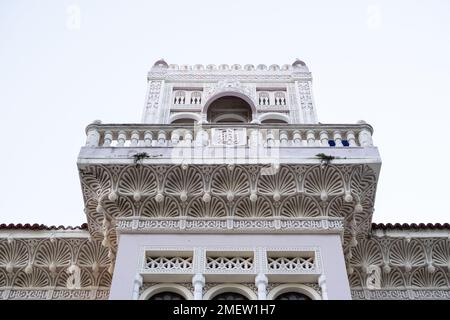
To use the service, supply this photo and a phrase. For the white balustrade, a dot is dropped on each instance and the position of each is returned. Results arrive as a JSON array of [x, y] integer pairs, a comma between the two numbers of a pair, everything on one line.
[[286, 136]]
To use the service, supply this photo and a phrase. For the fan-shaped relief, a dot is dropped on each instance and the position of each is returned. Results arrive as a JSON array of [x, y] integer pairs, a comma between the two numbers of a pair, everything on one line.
[[424, 279], [347, 240], [282, 183], [87, 279], [392, 279], [137, 179], [37, 278], [97, 179], [245, 208], [441, 253], [122, 207], [4, 280], [355, 280], [214, 208], [339, 208], [95, 229], [408, 254], [187, 181], [53, 254], [90, 208], [93, 253], [225, 180], [363, 180], [104, 279], [366, 253], [14, 253], [300, 206], [168, 207], [328, 179]]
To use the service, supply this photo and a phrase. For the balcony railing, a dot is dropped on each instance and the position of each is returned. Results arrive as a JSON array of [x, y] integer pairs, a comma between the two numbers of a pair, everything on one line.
[[220, 135]]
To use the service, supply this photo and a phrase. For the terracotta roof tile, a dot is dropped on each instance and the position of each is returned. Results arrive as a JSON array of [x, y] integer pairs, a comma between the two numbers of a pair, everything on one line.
[[411, 226], [36, 226]]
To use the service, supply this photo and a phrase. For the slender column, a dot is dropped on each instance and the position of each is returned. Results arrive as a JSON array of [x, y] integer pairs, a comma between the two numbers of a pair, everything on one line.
[[137, 284], [261, 282], [323, 287], [198, 281]]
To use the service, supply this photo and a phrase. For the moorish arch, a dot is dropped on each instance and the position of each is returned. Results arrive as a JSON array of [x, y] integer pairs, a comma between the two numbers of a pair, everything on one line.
[[229, 106], [291, 291], [166, 291], [185, 118], [274, 117], [231, 291]]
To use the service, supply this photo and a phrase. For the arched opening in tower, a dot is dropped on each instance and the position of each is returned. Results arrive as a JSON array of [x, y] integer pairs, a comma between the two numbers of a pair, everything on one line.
[[229, 109]]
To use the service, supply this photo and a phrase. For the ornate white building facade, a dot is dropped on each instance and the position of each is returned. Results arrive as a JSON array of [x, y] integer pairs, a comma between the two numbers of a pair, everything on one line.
[[229, 188]]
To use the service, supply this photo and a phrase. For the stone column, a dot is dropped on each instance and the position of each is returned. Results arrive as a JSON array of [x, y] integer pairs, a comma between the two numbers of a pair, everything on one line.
[[261, 282], [198, 281]]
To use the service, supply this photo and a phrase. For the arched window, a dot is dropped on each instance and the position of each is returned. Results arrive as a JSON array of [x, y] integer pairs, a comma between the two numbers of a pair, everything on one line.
[[180, 97], [184, 121], [273, 121], [166, 295], [230, 296], [229, 109], [292, 296]]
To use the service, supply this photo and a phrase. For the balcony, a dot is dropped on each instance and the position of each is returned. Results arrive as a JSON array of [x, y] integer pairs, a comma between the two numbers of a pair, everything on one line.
[[219, 143]]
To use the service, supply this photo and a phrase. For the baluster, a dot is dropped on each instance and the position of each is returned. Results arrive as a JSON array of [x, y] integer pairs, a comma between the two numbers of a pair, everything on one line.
[[324, 138], [175, 137], [148, 137], [297, 138], [161, 137], [122, 137], [134, 138], [188, 138], [351, 139], [310, 138], [337, 138], [283, 138], [108, 139], [270, 138]]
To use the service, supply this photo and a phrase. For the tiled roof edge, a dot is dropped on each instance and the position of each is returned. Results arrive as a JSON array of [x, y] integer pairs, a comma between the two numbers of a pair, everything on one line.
[[411, 226], [35, 226]]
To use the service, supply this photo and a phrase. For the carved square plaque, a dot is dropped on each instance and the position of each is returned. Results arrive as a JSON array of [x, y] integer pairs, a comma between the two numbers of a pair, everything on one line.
[[229, 136]]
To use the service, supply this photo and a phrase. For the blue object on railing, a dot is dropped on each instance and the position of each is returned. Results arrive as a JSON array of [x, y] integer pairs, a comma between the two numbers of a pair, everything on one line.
[[345, 143], [331, 143]]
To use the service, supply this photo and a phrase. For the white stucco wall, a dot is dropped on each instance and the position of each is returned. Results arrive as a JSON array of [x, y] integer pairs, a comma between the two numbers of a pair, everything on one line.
[[130, 248]]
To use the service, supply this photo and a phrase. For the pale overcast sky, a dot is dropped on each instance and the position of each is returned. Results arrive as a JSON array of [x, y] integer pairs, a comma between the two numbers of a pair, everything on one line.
[[387, 62]]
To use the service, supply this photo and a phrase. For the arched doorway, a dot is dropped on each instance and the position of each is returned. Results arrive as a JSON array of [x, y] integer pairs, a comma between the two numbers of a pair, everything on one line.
[[229, 109]]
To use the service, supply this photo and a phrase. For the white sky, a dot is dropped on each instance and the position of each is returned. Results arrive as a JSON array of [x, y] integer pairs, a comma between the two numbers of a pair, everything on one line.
[[386, 63]]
